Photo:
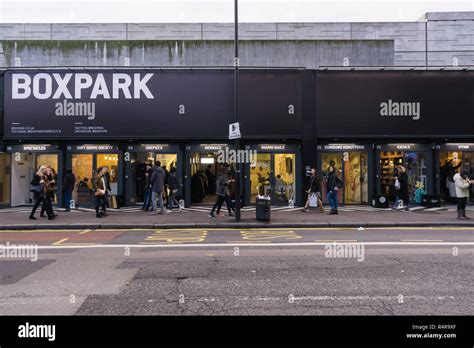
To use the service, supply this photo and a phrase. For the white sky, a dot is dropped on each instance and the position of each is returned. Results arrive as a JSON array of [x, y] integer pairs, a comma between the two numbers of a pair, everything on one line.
[[106, 11]]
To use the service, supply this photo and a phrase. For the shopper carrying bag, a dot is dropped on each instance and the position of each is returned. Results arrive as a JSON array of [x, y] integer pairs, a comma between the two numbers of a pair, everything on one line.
[[314, 193]]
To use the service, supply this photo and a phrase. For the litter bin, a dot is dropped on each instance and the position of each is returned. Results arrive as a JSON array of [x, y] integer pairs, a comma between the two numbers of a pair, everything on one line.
[[263, 209]]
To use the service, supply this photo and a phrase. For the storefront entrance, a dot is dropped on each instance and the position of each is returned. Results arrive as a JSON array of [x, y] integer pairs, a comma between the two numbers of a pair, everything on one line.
[[452, 159], [417, 160], [5, 178], [143, 156], [84, 161], [351, 163], [25, 161], [201, 172], [272, 173]]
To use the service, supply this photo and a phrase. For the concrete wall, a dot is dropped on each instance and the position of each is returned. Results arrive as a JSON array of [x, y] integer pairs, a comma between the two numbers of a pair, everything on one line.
[[437, 39]]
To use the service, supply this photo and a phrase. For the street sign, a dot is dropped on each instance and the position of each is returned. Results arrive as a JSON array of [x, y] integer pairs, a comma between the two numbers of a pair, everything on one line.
[[234, 131]]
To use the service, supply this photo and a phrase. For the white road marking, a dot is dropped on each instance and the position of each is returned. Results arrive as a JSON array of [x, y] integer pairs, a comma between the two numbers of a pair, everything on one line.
[[226, 245]]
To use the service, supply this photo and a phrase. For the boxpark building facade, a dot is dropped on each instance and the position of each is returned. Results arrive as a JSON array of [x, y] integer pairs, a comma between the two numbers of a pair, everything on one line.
[[366, 96]]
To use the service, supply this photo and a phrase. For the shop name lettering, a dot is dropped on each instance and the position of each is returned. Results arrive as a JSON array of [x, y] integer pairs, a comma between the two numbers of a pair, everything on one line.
[[93, 148], [34, 148], [95, 86], [404, 109]]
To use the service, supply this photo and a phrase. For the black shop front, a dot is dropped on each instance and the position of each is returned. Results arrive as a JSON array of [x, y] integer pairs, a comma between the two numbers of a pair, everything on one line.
[[124, 119], [419, 119]]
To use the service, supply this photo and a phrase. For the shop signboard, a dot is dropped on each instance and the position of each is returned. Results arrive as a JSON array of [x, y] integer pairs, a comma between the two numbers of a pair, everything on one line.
[[148, 103], [402, 104]]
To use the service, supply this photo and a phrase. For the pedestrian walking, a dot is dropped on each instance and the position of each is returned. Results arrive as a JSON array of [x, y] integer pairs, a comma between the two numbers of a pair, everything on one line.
[[227, 195], [157, 182], [147, 196], [314, 192], [100, 189], [49, 193], [41, 188], [68, 187], [222, 192], [462, 183], [174, 185], [332, 187]]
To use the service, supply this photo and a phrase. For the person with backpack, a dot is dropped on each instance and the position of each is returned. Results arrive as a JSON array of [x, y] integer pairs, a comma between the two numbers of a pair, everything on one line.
[[314, 189], [332, 187]]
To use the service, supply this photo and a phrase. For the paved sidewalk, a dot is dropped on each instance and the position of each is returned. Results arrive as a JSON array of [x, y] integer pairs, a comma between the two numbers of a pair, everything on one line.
[[127, 218]]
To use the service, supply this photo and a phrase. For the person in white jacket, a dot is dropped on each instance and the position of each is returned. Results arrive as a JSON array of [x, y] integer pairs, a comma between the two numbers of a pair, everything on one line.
[[462, 183]]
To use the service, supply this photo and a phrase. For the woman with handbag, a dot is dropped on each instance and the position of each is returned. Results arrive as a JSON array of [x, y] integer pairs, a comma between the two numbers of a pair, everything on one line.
[[41, 188]]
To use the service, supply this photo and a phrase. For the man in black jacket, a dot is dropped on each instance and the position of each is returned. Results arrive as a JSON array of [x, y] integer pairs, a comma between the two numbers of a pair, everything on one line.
[[332, 189], [68, 187]]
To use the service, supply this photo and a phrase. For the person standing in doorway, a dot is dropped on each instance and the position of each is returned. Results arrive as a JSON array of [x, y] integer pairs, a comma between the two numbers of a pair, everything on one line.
[[100, 190], [332, 188], [174, 185], [68, 186], [314, 189], [157, 182], [403, 190], [462, 183]]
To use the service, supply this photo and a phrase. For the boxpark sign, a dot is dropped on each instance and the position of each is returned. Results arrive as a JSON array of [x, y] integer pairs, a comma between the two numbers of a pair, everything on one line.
[[141, 103]]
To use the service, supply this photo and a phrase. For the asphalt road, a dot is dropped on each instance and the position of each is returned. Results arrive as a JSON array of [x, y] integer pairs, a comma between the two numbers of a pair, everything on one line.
[[399, 271]]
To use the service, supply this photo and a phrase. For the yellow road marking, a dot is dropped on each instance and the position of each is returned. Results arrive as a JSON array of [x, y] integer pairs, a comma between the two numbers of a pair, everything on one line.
[[85, 231], [60, 241], [256, 235], [177, 236]]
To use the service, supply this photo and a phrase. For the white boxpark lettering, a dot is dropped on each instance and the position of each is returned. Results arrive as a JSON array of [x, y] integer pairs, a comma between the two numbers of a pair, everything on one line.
[[41, 87]]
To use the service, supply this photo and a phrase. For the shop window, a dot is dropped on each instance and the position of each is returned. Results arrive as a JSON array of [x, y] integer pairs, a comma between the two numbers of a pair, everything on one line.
[[111, 162], [284, 177], [450, 163], [260, 172]]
